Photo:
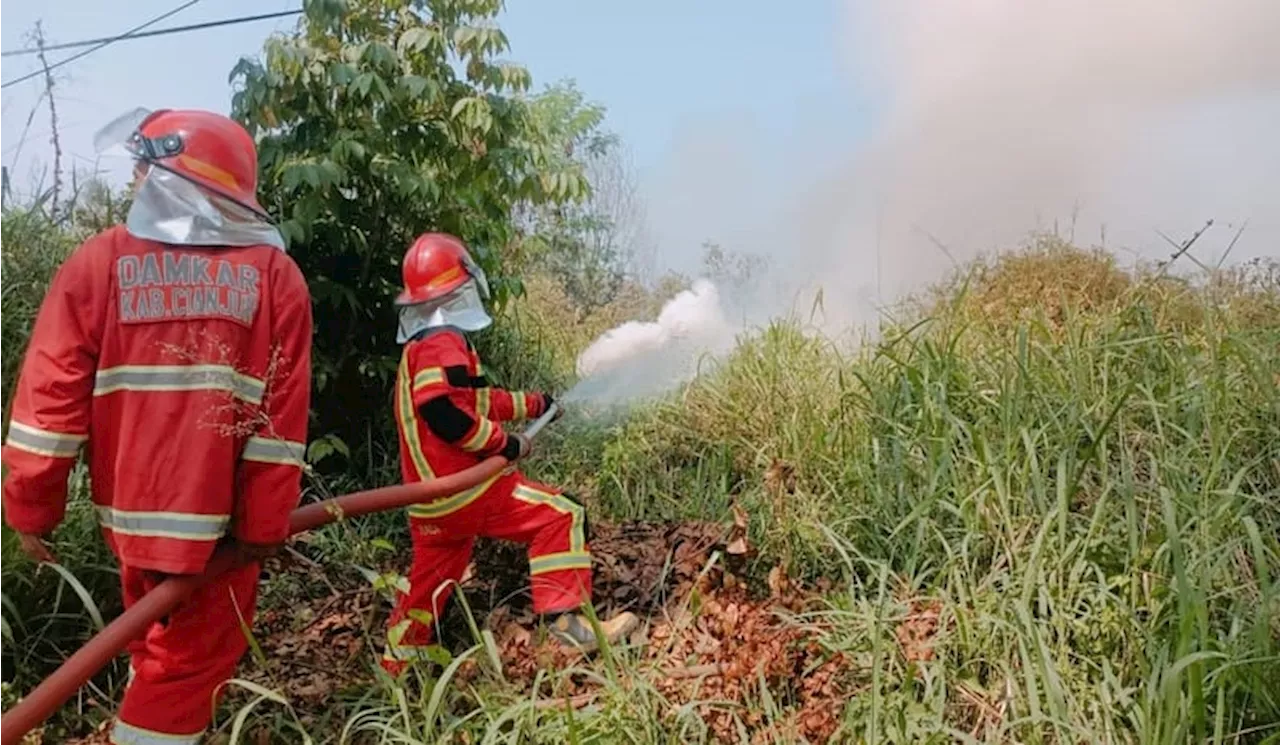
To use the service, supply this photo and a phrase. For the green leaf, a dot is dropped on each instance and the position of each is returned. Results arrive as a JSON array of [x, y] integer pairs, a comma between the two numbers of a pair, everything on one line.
[[463, 36], [380, 55], [82, 592], [322, 447], [291, 177], [439, 655], [383, 91], [415, 40], [311, 174], [458, 107], [342, 73], [362, 84], [416, 85]]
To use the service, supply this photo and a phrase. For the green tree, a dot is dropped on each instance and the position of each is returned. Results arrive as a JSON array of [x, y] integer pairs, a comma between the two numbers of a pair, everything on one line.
[[378, 120], [592, 246]]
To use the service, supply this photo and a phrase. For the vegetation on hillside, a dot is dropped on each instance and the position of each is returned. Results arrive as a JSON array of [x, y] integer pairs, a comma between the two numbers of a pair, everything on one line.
[[1042, 505]]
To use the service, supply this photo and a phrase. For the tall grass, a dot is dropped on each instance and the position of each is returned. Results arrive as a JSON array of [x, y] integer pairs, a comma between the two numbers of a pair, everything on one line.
[[48, 611], [1086, 474]]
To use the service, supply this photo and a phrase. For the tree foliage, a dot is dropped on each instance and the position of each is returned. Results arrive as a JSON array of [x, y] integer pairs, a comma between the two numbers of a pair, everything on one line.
[[378, 120], [592, 246]]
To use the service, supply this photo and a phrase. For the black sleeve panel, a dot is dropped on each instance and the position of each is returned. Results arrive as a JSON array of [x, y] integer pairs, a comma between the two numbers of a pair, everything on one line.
[[445, 419], [457, 377]]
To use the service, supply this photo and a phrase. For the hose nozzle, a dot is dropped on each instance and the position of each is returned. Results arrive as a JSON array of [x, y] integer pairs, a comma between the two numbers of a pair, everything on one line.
[[542, 421]]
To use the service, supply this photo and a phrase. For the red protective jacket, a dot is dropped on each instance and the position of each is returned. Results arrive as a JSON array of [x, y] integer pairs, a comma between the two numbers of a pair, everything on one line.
[[186, 372], [442, 364]]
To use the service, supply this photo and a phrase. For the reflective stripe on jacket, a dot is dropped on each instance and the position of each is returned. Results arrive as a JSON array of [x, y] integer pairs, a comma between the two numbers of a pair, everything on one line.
[[443, 363], [185, 373]]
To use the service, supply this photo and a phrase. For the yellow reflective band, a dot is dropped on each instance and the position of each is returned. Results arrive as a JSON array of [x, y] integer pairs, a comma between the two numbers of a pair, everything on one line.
[[559, 562], [484, 430], [520, 405], [163, 378], [427, 377], [185, 526], [397, 632], [407, 652], [123, 733], [483, 396], [563, 505], [449, 505], [44, 442], [280, 452], [420, 617], [409, 420]]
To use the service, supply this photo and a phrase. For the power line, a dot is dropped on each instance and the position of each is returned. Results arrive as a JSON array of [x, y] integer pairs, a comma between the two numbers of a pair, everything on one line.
[[100, 45], [156, 32]]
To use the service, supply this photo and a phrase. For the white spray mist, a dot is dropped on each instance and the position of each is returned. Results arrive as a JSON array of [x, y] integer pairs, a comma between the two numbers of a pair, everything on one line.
[[640, 359]]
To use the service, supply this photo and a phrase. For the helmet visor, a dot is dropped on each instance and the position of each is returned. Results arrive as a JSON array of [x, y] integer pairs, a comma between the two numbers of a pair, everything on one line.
[[117, 136], [482, 283], [461, 309]]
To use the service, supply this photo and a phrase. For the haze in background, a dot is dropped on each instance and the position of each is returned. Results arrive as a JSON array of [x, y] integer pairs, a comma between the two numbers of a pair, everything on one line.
[[1105, 121]]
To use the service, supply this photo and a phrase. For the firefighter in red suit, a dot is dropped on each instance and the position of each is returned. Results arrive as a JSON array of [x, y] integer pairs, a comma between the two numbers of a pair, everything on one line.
[[449, 415], [175, 350]]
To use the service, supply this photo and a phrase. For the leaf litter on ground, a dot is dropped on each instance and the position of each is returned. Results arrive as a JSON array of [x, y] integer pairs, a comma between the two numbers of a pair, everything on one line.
[[705, 636]]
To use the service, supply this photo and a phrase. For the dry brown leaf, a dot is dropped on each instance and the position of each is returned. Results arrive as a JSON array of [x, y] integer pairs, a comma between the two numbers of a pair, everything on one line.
[[778, 582], [780, 477], [918, 630]]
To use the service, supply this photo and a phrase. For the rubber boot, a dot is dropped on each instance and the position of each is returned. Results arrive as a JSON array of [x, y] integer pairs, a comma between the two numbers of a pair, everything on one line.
[[573, 630]]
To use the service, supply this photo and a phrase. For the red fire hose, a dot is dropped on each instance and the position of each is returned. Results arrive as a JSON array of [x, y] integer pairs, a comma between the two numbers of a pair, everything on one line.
[[54, 690]]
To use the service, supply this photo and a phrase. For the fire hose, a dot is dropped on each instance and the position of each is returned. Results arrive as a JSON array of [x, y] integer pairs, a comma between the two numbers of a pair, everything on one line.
[[54, 690]]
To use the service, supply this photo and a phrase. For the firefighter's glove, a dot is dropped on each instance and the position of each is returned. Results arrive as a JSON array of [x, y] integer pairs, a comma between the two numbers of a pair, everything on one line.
[[249, 553], [547, 401], [518, 446], [35, 547]]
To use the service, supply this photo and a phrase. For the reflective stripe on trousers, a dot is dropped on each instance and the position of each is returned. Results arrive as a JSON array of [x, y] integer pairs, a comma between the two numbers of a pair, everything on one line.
[[123, 733], [270, 450]]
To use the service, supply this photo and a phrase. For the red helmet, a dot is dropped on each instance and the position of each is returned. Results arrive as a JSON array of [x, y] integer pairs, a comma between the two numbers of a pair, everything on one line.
[[208, 149], [436, 265]]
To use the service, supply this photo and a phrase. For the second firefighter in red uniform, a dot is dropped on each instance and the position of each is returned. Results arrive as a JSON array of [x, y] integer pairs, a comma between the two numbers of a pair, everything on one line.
[[176, 349], [449, 416]]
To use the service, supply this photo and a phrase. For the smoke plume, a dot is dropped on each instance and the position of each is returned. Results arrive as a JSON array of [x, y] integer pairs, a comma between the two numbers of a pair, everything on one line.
[[1111, 122], [639, 358]]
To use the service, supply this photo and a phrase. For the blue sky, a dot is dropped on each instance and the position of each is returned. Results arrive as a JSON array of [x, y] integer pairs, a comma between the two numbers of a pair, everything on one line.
[[696, 90]]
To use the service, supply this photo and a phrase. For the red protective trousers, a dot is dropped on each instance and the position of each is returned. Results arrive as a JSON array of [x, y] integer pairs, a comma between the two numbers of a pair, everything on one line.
[[513, 508], [179, 666]]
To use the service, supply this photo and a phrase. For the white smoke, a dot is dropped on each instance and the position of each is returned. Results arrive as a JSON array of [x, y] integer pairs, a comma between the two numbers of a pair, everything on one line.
[[1008, 116], [639, 358], [1112, 122]]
